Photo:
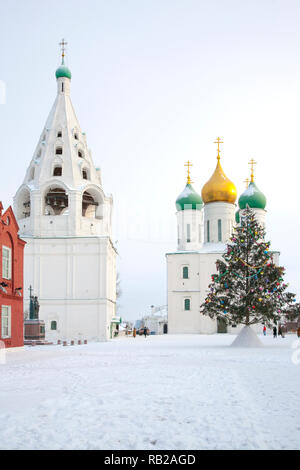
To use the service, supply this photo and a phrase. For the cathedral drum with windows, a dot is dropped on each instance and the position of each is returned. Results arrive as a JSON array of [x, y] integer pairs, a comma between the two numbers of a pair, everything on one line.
[[65, 218], [204, 227]]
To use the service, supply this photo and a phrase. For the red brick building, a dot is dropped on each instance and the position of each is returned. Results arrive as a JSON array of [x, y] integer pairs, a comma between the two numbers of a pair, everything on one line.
[[11, 281]]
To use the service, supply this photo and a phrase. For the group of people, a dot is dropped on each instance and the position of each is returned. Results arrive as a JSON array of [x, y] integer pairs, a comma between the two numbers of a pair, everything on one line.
[[145, 332], [276, 332]]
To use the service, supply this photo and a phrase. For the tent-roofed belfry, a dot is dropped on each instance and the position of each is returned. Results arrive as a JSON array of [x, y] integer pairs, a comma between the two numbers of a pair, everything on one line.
[[65, 217]]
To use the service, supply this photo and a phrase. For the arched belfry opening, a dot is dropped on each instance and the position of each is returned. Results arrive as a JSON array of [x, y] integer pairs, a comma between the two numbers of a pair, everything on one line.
[[56, 201], [23, 204], [92, 204]]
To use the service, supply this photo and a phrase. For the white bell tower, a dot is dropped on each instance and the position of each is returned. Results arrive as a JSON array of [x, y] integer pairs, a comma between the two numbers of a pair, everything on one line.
[[65, 218]]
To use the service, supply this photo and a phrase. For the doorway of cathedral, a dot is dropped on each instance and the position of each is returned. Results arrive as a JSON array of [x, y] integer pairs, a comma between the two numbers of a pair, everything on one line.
[[222, 327], [165, 329]]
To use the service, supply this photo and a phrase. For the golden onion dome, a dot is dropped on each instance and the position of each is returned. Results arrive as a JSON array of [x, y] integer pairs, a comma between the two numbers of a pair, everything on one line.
[[219, 188]]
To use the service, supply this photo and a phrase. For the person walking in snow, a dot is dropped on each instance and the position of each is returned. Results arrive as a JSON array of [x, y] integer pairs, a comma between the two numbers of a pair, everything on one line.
[[280, 331], [265, 330], [145, 332], [134, 332], [274, 332]]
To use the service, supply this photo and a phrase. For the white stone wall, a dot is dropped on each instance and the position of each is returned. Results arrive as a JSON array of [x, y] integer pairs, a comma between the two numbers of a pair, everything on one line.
[[74, 279], [201, 267], [213, 212], [190, 227]]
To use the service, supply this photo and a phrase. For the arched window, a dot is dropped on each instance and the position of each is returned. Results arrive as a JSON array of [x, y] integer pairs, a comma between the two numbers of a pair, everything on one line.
[[80, 154], [92, 204], [185, 272], [59, 134], [56, 201], [208, 232], [59, 151], [31, 173], [6, 262], [219, 230], [76, 136], [188, 233], [187, 304], [57, 171], [85, 174], [53, 325]]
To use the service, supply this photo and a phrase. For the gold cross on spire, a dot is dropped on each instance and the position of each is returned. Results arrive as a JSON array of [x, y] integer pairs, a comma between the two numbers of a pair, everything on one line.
[[247, 181], [188, 164], [252, 163], [63, 45], [218, 141]]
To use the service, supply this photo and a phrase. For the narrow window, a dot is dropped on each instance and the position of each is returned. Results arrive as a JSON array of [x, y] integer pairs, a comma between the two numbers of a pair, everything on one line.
[[178, 234], [31, 176], [62, 87], [59, 134], [219, 230], [6, 262], [57, 171], [188, 233], [208, 234], [80, 154], [76, 136], [59, 151], [185, 272], [199, 233], [187, 304], [84, 174], [53, 325], [5, 321]]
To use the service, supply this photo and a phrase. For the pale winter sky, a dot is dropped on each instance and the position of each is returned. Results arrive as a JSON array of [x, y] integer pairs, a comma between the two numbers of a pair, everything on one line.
[[154, 83]]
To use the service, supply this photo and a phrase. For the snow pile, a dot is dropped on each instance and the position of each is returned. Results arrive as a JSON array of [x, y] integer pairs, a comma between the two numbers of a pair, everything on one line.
[[247, 339]]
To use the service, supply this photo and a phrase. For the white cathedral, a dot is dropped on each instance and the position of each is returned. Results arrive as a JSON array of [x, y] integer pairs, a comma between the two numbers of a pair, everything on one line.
[[66, 220], [205, 225]]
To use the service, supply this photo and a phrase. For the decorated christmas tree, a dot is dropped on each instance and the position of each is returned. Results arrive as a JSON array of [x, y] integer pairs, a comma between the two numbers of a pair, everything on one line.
[[249, 287]]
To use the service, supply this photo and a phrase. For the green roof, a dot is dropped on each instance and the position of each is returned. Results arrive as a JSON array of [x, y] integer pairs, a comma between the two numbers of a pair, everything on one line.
[[63, 72], [189, 199], [253, 198]]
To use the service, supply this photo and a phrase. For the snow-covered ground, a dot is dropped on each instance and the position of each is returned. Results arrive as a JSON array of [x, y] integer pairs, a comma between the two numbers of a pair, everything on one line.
[[164, 392]]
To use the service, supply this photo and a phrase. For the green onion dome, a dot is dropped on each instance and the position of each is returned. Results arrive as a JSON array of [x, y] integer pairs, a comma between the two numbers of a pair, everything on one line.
[[253, 198], [237, 217], [63, 72], [189, 199]]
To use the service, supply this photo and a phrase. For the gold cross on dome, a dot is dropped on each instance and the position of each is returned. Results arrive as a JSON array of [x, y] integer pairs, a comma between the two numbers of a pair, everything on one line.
[[252, 163], [63, 45], [188, 164], [218, 141], [247, 181]]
